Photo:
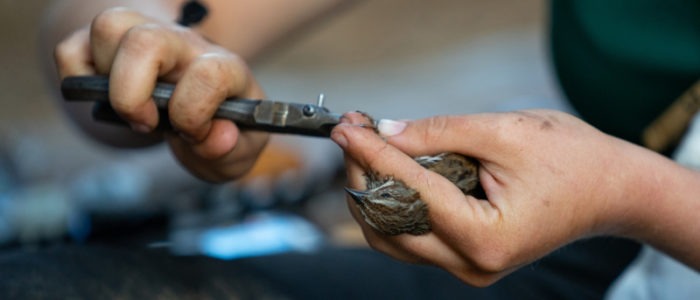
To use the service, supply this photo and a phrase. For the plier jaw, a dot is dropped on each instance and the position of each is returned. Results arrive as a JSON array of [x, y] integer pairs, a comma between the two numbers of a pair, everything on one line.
[[295, 118], [266, 115]]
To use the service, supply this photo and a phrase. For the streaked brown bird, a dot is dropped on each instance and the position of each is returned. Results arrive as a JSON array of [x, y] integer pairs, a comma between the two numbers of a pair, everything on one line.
[[392, 207]]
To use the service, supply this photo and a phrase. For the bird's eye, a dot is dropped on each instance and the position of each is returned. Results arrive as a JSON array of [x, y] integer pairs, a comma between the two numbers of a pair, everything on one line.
[[385, 195]]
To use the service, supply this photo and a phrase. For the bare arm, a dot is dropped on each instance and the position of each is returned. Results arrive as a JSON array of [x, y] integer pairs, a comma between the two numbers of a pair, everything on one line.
[[666, 213], [247, 27]]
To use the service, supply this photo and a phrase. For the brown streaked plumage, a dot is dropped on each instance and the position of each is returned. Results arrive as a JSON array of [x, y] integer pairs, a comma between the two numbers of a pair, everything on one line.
[[391, 207]]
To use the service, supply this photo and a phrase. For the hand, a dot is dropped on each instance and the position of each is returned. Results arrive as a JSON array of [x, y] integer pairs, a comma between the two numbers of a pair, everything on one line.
[[136, 51], [549, 179]]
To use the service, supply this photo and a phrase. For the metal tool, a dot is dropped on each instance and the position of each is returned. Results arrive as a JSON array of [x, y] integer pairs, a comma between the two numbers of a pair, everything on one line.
[[265, 115]]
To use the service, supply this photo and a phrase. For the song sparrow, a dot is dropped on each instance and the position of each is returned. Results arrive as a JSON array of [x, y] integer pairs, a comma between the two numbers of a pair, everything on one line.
[[392, 207]]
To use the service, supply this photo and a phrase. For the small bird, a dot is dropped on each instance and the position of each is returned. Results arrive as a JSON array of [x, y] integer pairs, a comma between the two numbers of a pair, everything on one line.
[[392, 207]]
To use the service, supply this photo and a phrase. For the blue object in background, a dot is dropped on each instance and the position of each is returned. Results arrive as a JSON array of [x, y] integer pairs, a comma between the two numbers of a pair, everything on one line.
[[263, 234]]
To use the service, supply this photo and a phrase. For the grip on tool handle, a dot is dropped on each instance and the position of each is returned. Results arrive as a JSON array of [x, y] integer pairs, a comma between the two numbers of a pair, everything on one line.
[[96, 88]]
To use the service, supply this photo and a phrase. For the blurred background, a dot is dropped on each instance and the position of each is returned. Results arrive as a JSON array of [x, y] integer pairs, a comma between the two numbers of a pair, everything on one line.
[[390, 58]]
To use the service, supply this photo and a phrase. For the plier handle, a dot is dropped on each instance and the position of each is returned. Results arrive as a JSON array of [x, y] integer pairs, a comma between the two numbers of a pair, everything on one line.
[[265, 115]]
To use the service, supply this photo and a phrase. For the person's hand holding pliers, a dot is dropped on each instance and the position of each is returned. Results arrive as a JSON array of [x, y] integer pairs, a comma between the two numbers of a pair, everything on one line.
[[137, 51]]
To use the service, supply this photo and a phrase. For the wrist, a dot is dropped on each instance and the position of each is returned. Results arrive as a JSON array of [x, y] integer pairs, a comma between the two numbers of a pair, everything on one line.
[[633, 183], [641, 192], [660, 205]]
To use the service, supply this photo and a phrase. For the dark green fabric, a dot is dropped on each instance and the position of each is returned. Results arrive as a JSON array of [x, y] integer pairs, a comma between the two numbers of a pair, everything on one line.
[[622, 62]]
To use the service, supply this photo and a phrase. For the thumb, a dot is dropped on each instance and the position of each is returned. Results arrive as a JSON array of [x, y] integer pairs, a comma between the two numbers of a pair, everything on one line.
[[471, 135]]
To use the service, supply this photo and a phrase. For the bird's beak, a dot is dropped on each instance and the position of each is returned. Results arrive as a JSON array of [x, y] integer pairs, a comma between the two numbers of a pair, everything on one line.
[[356, 195]]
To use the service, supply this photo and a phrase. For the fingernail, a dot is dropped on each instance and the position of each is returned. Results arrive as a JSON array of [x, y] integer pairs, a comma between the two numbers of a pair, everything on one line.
[[141, 128], [339, 139], [388, 127]]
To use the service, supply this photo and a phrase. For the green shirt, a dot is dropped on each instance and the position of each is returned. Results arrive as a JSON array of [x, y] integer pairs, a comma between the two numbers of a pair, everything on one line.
[[622, 62]]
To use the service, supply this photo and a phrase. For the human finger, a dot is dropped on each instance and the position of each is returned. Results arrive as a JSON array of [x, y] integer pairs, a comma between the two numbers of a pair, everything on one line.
[[106, 32], [73, 56], [205, 84], [485, 136], [145, 53], [429, 248], [460, 224], [241, 150], [376, 240], [372, 153], [448, 207]]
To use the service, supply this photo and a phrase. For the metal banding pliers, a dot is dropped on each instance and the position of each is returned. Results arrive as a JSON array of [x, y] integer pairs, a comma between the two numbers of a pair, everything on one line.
[[265, 115]]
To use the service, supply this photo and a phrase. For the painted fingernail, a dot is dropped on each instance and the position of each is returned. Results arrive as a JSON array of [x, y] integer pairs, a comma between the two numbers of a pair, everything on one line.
[[141, 128], [388, 127]]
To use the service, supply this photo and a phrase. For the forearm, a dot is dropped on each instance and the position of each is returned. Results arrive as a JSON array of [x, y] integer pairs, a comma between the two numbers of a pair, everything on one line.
[[675, 225], [247, 27], [665, 209]]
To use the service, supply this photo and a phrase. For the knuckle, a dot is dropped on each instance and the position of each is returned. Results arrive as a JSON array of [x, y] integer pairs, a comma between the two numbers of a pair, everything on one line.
[[437, 126], [374, 161], [144, 39], [426, 179], [109, 22], [503, 130], [64, 51], [211, 72], [221, 72], [209, 83]]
